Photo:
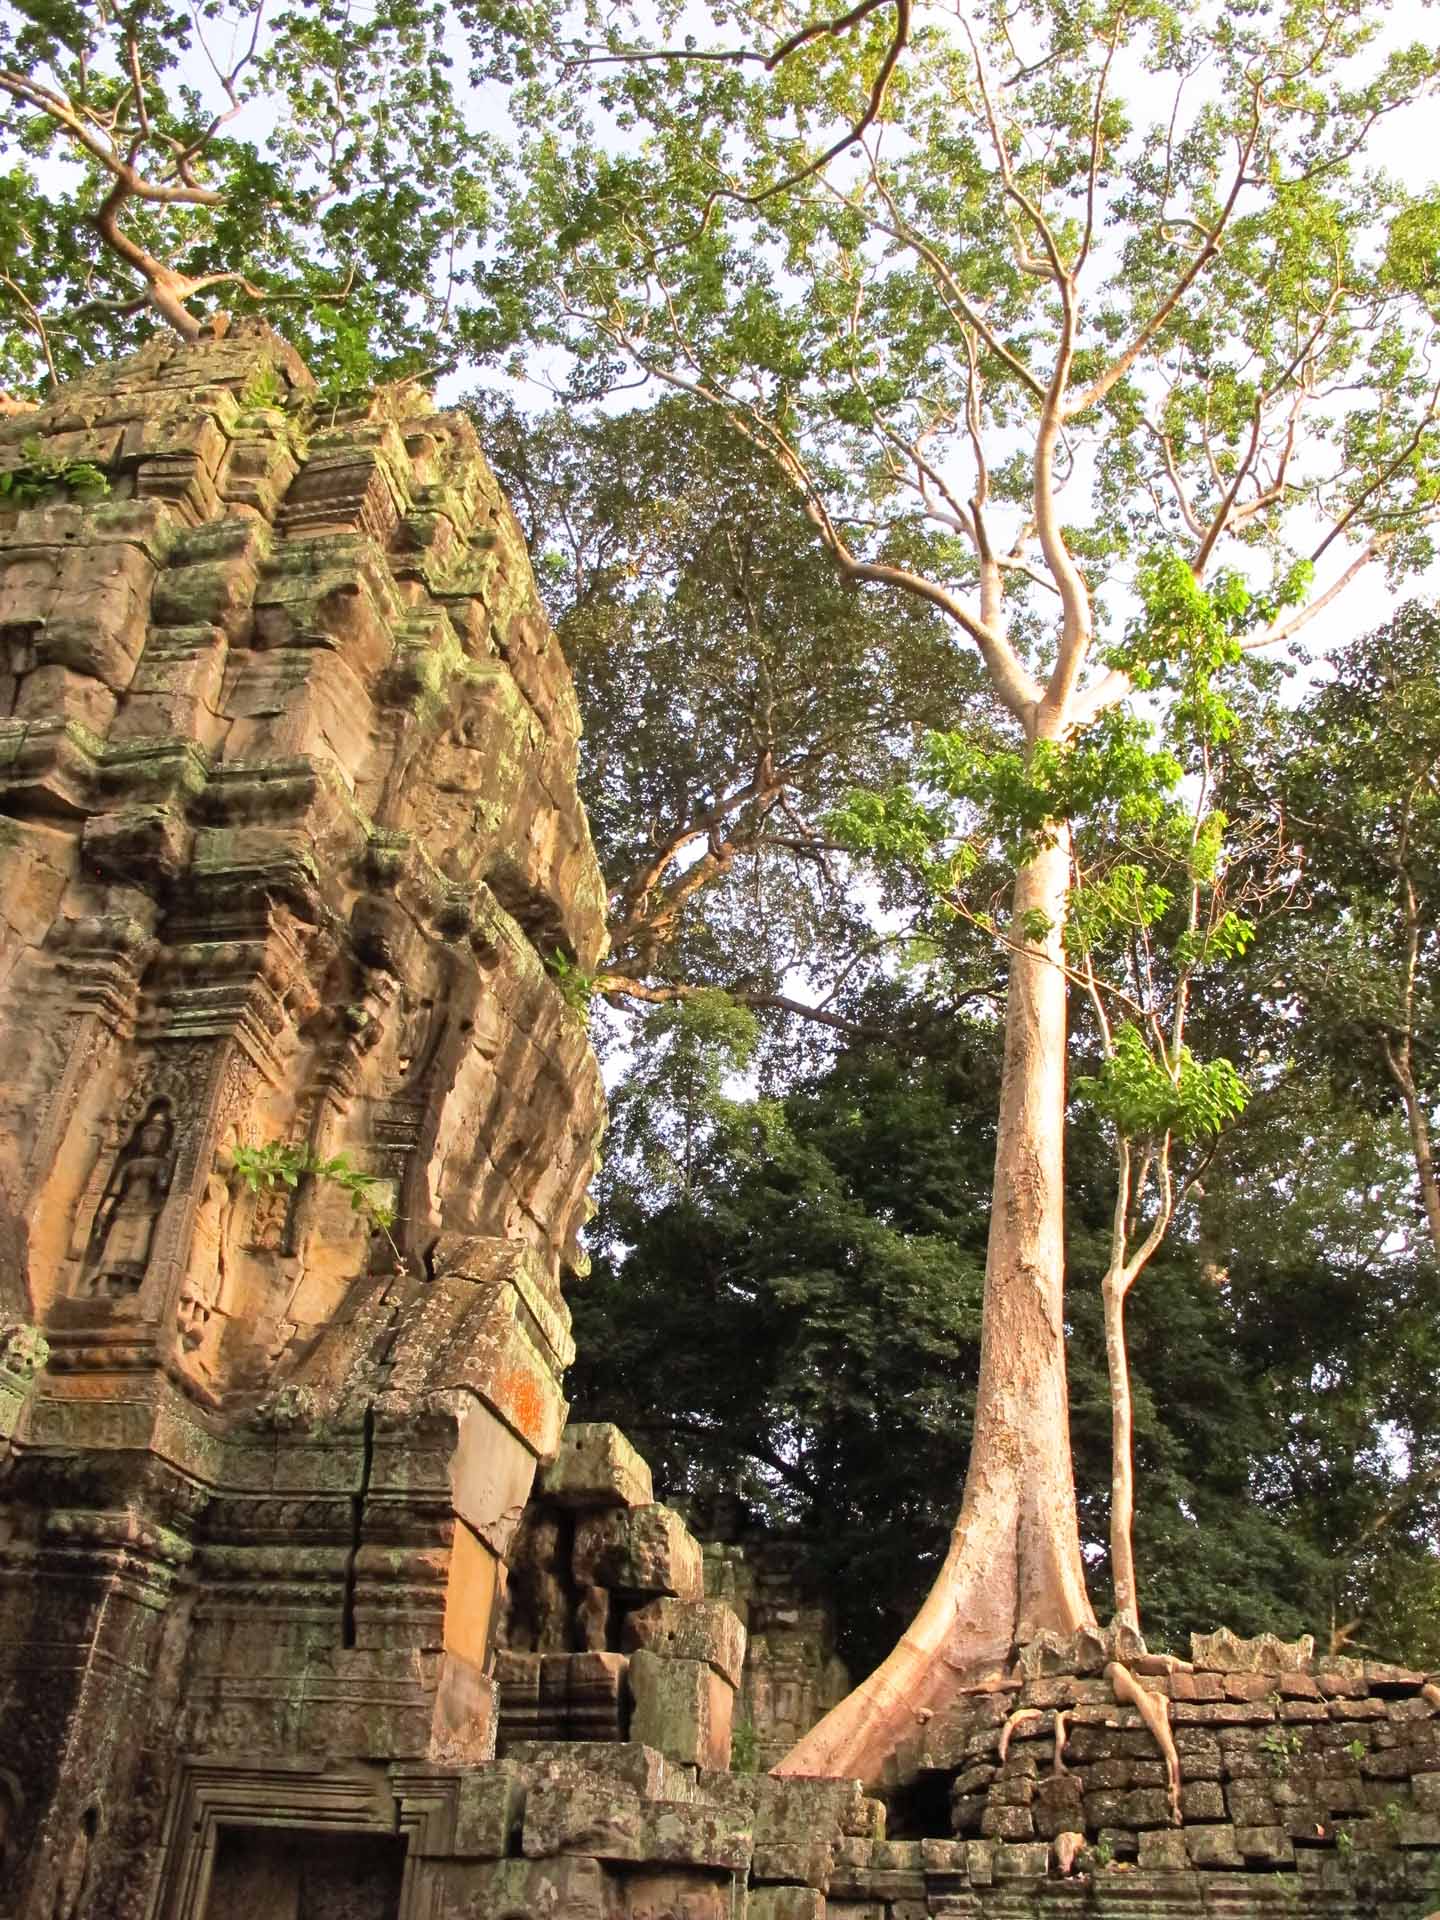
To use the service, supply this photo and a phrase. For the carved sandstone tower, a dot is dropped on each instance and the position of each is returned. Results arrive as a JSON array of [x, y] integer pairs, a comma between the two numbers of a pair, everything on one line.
[[289, 846]]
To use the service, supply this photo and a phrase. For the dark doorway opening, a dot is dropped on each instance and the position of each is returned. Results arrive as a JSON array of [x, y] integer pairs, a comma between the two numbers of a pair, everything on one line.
[[295, 1873]]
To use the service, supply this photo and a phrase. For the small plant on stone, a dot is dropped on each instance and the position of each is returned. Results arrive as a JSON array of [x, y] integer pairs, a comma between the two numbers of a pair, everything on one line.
[[277, 1164], [1356, 1749], [38, 474], [1097, 1856], [1344, 1842], [265, 388], [1280, 1745], [577, 988], [1392, 1813], [745, 1746]]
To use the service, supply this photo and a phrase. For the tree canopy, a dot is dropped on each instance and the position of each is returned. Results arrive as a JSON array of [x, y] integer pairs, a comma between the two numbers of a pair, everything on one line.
[[309, 160], [735, 691], [1354, 772]]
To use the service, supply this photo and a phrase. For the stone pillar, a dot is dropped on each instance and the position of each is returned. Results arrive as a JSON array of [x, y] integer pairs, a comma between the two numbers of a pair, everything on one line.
[[290, 852]]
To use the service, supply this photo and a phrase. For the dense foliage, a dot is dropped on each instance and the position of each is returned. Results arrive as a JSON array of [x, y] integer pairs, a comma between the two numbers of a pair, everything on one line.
[[734, 690], [310, 161], [1353, 771], [793, 1306]]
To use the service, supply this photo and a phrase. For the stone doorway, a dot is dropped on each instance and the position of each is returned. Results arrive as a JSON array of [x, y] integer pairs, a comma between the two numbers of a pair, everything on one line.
[[288, 1873]]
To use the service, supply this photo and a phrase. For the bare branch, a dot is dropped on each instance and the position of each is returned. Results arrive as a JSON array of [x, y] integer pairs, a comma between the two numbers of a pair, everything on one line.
[[1204, 254], [619, 986], [37, 321]]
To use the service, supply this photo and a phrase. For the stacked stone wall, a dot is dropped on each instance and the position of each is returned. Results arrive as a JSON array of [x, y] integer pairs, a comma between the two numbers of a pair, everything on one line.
[[792, 1674], [607, 1633]]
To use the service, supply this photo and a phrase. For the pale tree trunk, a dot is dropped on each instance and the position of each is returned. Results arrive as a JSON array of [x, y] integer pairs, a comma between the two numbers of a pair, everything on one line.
[[1418, 1121], [1120, 1276], [1400, 1059], [1122, 1454], [1014, 1565]]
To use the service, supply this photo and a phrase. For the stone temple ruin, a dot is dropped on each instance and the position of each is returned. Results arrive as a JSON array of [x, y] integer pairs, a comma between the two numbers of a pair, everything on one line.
[[312, 1607]]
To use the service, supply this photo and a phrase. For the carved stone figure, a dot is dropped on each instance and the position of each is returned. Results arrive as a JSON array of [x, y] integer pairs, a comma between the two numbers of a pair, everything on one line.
[[75, 1876], [11, 1801], [537, 1614], [592, 1620], [124, 1229], [205, 1281]]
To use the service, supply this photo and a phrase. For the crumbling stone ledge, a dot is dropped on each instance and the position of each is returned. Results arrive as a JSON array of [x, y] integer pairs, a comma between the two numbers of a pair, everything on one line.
[[590, 1831]]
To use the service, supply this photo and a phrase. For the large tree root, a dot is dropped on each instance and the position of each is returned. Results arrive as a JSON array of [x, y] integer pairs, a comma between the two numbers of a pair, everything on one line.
[[1155, 1712], [1067, 1849], [1016, 1719], [1020, 1716], [961, 1641]]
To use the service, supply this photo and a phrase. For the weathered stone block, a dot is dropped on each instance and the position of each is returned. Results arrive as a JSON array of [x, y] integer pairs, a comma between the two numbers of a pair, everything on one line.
[[1251, 1804], [980, 1862], [854, 1853], [1058, 1806], [698, 1836], [597, 1467], [786, 1903], [1223, 1652], [637, 1552], [1030, 1861], [1162, 1852], [1249, 1686], [1342, 1711], [681, 1707], [1297, 1686], [795, 1809], [1340, 1678], [1213, 1847], [489, 1809], [1202, 1800], [898, 1856], [596, 1695], [808, 1862], [570, 1889], [1145, 1807], [1104, 1809], [631, 1767], [689, 1630], [1301, 1712], [1108, 1776], [972, 1780], [583, 1816], [490, 1476], [1013, 1790], [1223, 1713], [678, 1896], [1007, 1823], [799, 1825], [1265, 1846]]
